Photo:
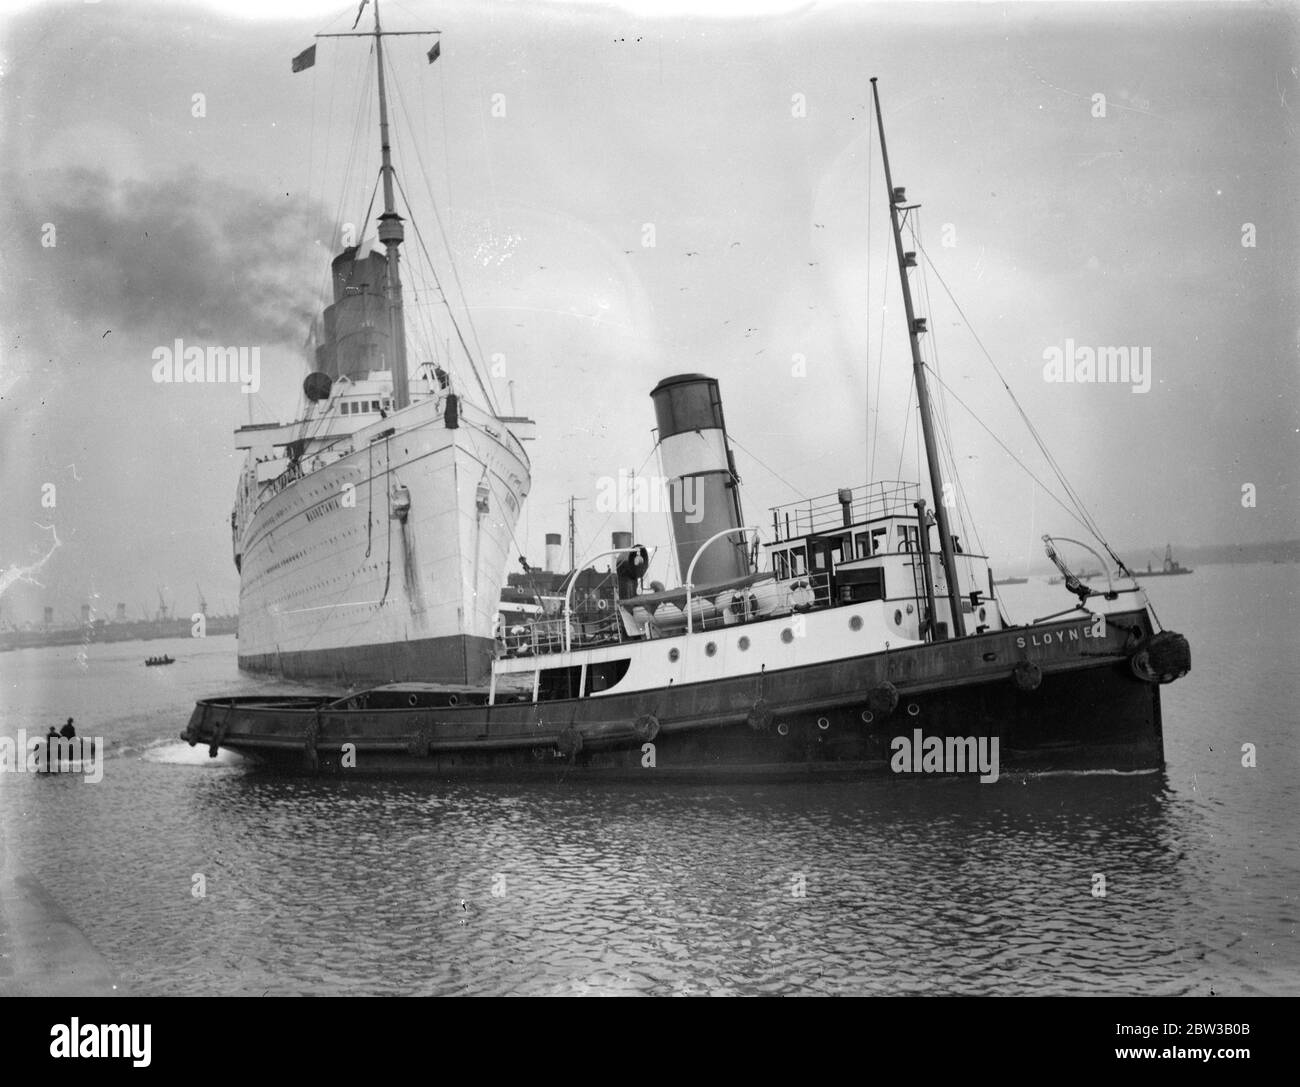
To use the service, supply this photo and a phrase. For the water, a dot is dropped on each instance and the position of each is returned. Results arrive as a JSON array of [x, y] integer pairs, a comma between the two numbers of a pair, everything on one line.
[[909, 886]]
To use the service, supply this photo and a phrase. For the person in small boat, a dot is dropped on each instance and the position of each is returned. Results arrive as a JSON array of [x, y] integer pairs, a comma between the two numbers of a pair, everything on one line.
[[67, 731], [51, 738]]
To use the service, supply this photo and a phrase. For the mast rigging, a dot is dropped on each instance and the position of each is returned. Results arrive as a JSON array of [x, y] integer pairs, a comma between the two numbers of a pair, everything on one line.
[[915, 327]]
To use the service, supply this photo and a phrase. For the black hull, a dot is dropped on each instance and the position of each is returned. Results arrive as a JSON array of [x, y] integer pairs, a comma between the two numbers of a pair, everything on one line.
[[457, 659], [1089, 712]]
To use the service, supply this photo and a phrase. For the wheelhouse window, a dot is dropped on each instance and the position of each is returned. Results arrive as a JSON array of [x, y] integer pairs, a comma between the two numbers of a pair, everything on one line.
[[858, 586], [781, 564], [798, 563]]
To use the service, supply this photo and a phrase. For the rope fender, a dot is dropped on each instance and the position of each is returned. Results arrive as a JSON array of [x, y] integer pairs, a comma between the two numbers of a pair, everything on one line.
[[646, 727], [883, 698], [219, 733], [569, 742], [1027, 676], [1162, 658], [309, 737]]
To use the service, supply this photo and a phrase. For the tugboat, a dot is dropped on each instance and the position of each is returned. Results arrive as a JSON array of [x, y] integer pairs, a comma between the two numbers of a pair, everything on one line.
[[859, 627]]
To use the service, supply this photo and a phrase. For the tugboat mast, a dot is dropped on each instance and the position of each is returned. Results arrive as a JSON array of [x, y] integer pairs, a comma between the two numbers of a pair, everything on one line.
[[897, 197]]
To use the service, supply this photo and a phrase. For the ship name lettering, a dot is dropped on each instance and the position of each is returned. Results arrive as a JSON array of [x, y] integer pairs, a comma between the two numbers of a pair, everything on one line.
[[1055, 637]]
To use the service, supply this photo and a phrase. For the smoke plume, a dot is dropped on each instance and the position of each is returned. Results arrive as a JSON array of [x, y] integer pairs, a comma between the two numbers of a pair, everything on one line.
[[184, 255]]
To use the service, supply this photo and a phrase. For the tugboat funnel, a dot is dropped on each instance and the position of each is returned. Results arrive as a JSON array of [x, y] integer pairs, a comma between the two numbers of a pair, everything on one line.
[[703, 488]]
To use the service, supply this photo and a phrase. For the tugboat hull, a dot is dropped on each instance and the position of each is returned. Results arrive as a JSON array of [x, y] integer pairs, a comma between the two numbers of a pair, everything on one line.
[[1052, 699]]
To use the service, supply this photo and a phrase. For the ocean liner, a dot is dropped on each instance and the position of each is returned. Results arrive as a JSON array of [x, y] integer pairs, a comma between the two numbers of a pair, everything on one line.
[[858, 637], [371, 534]]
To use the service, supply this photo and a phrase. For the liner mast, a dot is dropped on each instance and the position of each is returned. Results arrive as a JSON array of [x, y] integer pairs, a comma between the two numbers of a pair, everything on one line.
[[391, 234]]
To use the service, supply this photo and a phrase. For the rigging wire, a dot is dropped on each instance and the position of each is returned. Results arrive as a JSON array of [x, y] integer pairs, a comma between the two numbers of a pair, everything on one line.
[[902, 444], [433, 204], [601, 527], [360, 125], [880, 354], [947, 447], [771, 471], [491, 404], [1046, 489], [1081, 513]]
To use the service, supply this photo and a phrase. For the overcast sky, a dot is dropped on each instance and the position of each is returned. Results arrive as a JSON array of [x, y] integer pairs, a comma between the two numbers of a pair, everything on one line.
[[744, 140]]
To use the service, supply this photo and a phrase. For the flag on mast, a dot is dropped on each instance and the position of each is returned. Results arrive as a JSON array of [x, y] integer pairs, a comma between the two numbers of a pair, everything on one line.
[[359, 11], [305, 59], [435, 52]]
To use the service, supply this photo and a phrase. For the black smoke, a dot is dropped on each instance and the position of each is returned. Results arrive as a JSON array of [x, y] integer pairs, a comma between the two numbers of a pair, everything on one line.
[[179, 256]]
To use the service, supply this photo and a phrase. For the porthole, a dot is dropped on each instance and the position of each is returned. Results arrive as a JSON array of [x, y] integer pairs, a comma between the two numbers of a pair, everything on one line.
[[898, 617], [787, 635], [711, 649], [673, 654], [983, 615], [743, 642], [855, 623], [412, 700], [783, 729], [823, 723], [913, 709], [868, 716]]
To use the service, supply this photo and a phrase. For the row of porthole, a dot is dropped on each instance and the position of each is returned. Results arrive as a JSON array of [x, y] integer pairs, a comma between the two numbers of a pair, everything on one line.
[[898, 616], [787, 636], [784, 730], [913, 710]]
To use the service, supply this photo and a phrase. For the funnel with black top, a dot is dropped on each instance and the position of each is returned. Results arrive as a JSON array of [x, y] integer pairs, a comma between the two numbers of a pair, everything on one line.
[[702, 486]]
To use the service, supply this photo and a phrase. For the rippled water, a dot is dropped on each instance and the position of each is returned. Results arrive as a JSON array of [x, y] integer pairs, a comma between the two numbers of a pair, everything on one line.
[[894, 886]]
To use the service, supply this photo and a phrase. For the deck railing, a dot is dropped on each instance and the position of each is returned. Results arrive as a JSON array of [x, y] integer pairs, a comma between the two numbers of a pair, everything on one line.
[[885, 498], [708, 612]]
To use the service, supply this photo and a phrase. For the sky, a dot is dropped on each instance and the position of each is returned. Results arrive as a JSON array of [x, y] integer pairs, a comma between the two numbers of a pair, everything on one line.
[[1109, 175]]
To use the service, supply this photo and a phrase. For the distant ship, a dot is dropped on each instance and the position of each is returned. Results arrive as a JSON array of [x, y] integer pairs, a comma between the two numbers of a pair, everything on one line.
[[1170, 567], [1011, 581], [95, 631], [1087, 575]]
